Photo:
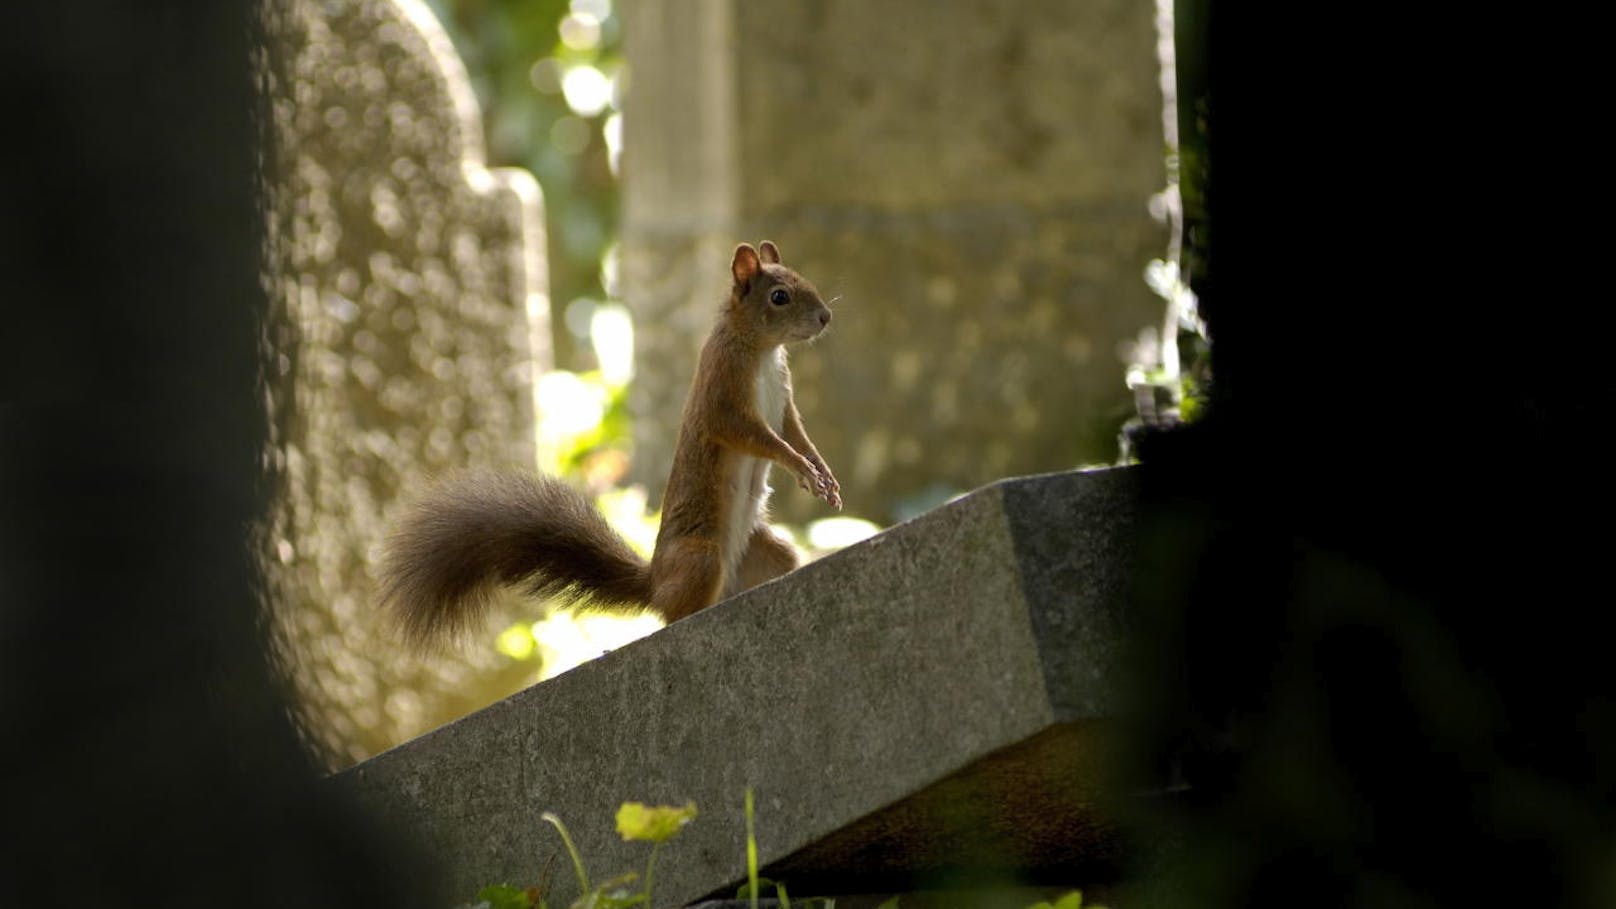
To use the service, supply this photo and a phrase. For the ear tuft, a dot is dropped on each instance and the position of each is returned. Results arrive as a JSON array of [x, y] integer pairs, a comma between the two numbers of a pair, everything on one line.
[[745, 265], [769, 252]]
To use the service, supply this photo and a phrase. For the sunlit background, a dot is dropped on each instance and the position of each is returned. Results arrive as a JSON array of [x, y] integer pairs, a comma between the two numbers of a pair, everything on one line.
[[550, 78], [418, 281], [401, 260]]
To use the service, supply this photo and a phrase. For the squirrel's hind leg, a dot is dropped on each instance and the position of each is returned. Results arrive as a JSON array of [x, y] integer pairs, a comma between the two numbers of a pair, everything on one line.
[[766, 558], [685, 577]]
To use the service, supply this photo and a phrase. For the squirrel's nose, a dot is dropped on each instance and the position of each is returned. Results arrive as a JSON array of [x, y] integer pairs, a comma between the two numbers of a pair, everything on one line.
[[824, 318]]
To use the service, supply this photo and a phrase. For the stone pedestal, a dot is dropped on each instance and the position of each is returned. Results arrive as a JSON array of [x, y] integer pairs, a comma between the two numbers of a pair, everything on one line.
[[932, 708]]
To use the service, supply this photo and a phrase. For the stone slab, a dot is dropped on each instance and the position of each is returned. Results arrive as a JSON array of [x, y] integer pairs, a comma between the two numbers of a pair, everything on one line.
[[928, 706]]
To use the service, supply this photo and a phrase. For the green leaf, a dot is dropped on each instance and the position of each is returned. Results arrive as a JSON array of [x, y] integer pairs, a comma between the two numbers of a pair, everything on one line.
[[751, 852], [889, 904], [636, 821], [504, 896]]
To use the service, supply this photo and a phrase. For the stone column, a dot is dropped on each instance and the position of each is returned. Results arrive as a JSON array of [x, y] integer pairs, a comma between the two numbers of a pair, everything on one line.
[[970, 179]]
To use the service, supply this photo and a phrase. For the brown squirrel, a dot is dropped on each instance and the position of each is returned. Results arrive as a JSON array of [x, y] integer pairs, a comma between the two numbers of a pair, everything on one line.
[[479, 531]]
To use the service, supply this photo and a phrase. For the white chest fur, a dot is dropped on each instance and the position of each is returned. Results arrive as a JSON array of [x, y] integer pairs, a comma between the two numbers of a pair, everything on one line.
[[771, 390], [748, 479]]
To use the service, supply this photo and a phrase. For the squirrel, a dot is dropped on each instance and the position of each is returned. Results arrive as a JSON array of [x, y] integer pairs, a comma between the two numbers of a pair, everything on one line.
[[480, 531]]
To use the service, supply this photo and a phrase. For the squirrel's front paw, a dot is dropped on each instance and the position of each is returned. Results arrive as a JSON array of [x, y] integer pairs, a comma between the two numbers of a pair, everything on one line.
[[833, 489], [826, 487], [817, 482], [808, 480]]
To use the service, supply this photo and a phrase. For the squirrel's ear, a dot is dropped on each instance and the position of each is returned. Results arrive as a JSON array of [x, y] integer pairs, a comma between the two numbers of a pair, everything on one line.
[[745, 265], [769, 252]]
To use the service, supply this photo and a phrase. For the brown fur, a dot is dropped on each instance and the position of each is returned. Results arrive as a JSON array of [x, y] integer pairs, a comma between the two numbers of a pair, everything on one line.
[[480, 531]]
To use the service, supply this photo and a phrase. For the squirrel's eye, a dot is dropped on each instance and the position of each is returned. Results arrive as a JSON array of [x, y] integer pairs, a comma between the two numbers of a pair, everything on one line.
[[779, 297]]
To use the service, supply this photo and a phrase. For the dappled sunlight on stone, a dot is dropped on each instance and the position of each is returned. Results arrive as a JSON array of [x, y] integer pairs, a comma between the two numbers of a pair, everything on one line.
[[411, 307]]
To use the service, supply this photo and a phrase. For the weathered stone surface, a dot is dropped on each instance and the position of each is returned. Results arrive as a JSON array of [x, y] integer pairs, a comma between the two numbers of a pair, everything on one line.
[[403, 273], [971, 178], [929, 707]]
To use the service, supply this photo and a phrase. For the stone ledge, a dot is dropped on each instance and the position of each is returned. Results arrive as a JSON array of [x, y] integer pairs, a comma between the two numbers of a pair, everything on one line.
[[927, 707]]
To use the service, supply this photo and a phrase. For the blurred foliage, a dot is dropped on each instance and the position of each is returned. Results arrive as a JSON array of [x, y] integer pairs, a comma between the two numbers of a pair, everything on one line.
[[1170, 368], [1194, 110], [549, 75]]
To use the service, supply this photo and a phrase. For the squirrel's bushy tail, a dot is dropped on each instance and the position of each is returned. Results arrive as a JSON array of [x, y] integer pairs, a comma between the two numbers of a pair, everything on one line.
[[479, 531]]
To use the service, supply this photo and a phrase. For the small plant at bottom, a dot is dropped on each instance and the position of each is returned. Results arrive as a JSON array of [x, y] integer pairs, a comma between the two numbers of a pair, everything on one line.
[[753, 885], [635, 822], [504, 896], [1073, 900], [656, 825], [652, 825]]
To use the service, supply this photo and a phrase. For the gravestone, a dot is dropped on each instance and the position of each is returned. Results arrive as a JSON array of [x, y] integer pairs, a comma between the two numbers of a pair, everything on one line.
[[971, 179], [409, 314]]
